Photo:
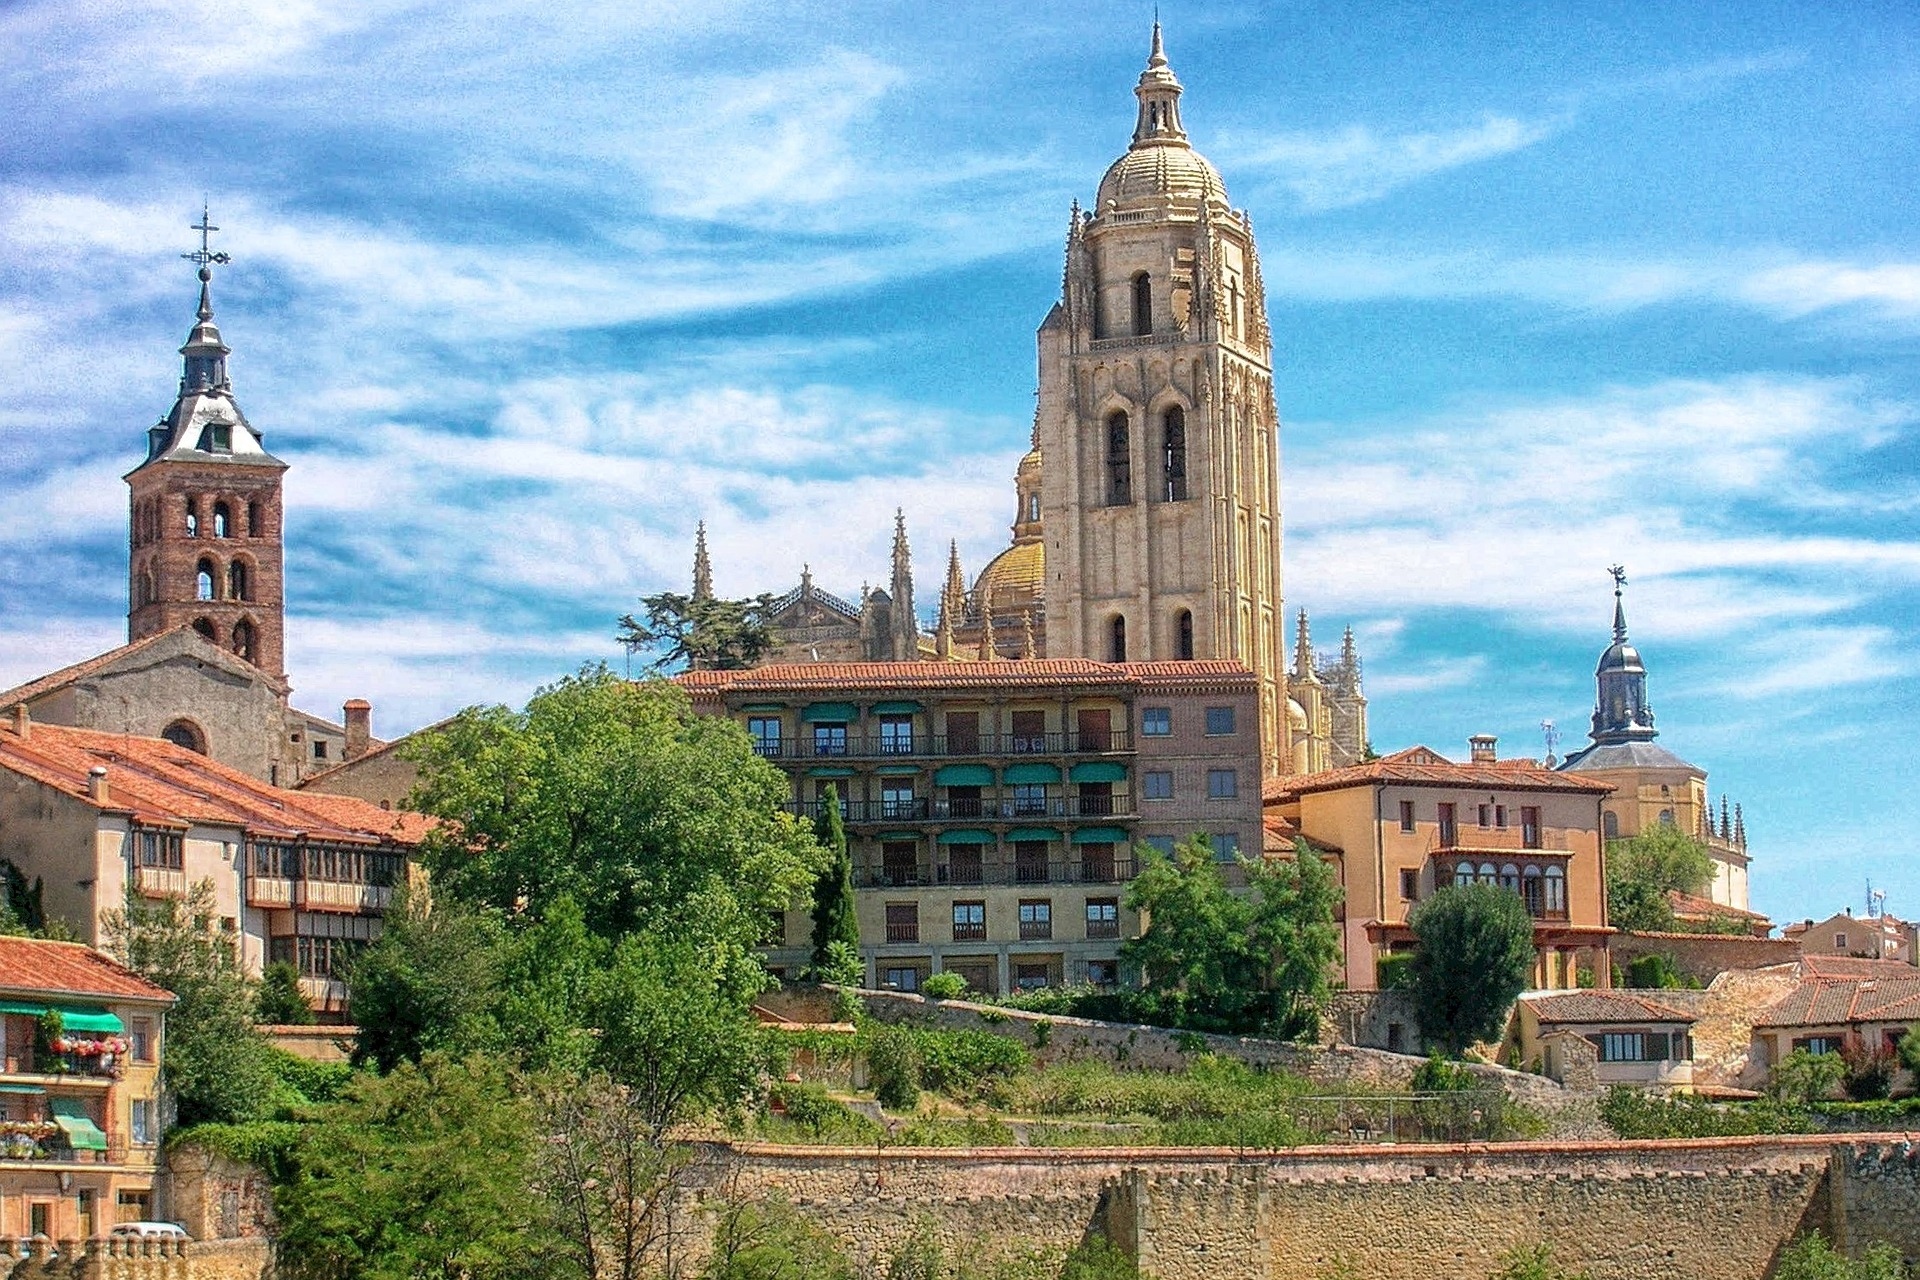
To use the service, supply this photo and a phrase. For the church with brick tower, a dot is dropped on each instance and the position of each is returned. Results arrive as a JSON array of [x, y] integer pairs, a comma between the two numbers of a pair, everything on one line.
[[1147, 520]]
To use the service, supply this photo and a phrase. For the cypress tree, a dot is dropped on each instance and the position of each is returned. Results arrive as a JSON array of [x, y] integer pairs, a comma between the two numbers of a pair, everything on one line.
[[833, 912]]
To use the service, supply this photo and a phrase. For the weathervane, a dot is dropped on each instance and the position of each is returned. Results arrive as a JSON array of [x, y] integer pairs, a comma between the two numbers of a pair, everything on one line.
[[1619, 571], [204, 254]]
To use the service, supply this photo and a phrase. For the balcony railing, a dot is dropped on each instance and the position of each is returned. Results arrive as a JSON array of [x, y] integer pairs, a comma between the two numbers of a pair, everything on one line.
[[985, 809], [996, 871], [945, 746]]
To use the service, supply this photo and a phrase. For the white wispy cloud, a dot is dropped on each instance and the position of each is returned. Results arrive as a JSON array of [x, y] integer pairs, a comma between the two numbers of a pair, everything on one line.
[[1357, 164]]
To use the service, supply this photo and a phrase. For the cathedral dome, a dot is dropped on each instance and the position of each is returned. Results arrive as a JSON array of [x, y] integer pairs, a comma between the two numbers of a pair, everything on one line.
[[1162, 171], [1013, 581], [1623, 657]]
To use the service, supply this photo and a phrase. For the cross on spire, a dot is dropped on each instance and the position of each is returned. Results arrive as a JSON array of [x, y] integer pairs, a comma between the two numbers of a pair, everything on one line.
[[205, 254]]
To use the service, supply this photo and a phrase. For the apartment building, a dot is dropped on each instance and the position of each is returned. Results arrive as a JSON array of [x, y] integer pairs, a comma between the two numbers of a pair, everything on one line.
[[997, 810], [295, 876]]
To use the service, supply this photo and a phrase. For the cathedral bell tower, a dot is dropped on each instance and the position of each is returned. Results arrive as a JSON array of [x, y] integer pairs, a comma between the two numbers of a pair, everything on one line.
[[1160, 497], [205, 509]]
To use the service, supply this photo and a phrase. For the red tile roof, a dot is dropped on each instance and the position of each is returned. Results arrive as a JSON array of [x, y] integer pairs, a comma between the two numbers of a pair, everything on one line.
[[1693, 906], [1601, 1006], [33, 967], [842, 677], [153, 781], [1819, 966], [1280, 835], [1888, 996], [1423, 767]]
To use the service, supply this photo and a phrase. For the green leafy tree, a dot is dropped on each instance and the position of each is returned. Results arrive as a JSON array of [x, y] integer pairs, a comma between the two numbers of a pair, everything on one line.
[[617, 796], [425, 1172], [217, 1065], [704, 633], [279, 1002], [1474, 955], [1643, 870], [1909, 1050], [430, 983], [1801, 1077], [23, 905], [834, 919], [767, 1240], [1810, 1257]]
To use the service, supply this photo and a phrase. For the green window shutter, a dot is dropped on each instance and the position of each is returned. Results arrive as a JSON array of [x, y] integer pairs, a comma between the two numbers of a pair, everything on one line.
[[1023, 834], [1097, 771], [966, 837], [82, 1133], [830, 713], [1030, 773], [894, 708], [963, 775]]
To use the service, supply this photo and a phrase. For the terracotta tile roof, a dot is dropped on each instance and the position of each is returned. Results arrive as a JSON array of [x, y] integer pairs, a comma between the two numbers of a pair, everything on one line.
[[1421, 766], [153, 781], [1690, 905], [81, 670], [1600, 1006], [1833, 1002], [843, 677], [31, 966], [1819, 966], [1280, 835]]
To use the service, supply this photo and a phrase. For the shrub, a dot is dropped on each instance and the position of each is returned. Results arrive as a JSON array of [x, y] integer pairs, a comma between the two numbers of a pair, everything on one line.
[[1656, 970], [1801, 1078], [893, 1067], [974, 1131], [279, 1001], [1636, 1113], [767, 1240], [1535, 1264], [1811, 1258], [1394, 972], [960, 1063], [1098, 1258], [1869, 1070], [1437, 1075], [944, 986], [816, 1114]]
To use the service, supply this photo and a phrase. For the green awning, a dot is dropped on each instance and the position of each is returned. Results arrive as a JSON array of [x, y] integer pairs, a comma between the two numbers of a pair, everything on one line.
[[897, 770], [830, 713], [1099, 835], [72, 1017], [21, 1088], [966, 837], [963, 775], [765, 706], [824, 771], [885, 836], [895, 708], [1024, 834], [1031, 773], [82, 1133], [1097, 771]]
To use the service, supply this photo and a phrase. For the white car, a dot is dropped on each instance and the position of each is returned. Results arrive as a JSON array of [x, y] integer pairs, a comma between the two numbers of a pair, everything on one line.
[[151, 1230]]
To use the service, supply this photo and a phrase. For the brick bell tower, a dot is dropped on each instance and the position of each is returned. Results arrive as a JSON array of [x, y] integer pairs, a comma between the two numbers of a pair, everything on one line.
[[205, 509]]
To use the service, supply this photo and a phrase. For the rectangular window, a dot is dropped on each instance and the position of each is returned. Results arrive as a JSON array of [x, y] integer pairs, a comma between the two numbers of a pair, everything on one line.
[[1500, 816], [1156, 722], [1530, 826], [765, 732], [903, 922], [1486, 816], [1030, 861], [1162, 845], [963, 733], [1103, 917], [1029, 732], [1031, 977], [896, 735], [896, 798], [1449, 826], [1839, 942], [140, 1033], [904, 978], [140, 1120], [1219, 721], [969, 921], [1103, 973], [1406, 815], [900, 863], [1157, 784], [829, 739], [1223, 784], [1622, 1046], [1036, 919], [319, 750], [1818, 1044], [1029, 799], [1409, 885], [134, 1206], [1226, 845]]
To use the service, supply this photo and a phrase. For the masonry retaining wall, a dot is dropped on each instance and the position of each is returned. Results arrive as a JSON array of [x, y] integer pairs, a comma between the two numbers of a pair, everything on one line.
[[112, 1258]]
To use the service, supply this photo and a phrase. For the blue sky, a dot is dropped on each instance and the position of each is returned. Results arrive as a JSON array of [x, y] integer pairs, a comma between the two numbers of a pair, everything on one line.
[[523, 291]]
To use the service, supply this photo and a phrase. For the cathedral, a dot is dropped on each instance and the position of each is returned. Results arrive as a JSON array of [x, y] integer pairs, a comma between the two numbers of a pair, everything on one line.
[[1147, 519]]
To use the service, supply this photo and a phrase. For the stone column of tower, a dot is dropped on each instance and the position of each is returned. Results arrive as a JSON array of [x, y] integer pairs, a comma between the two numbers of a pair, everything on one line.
[[702, 564], [206, 515], [903, 641], [1161, 488]]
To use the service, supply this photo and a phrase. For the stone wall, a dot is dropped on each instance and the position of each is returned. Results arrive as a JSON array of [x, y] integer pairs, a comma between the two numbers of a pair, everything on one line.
[[1709, 1209], [1705, 956], [108, 1258], [213, 1197]]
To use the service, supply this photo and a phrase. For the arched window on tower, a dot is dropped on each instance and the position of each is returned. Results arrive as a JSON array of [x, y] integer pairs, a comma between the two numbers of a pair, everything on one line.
[[1174, 454], [1183, 635], [243, 639], [1119, 462], [186, 734], [222, 520], [193, 517], [1142, 304], [205, 628], [203, 581], [1033, 507], [1117, 639], [146, 586], [237, 581]]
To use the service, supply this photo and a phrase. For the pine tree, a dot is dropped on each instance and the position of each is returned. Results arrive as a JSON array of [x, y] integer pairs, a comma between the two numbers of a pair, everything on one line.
[[834, 919]]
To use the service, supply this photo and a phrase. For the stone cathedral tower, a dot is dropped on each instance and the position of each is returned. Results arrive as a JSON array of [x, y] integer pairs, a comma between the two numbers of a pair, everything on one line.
[[1160, 496], [205, 512]]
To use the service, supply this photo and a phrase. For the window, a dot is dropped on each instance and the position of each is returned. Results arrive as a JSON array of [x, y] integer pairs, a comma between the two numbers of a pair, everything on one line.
[[1103, 917], [1142, 304], [1029, 799], [1173, 455], [1029, 731], [1610, 825], [969, 921], [963, 733], [160, 849], [765, 732], [1533, 891], [1095, 799], [1162, 845], [1839, 942], [1449, 826], [39, 1218], [1530, 826], [1486, 816], [896, 798], [1030, 861], [1033, 507], [829, 739], [903, 922], [1031, 977], [1510, 877], [134, 1206], [193, 518], [1036, 919], [964, 802], [1156, 722], [186, 735], [1409, 884], [1556, 878], [1103, 973], [1219, 721], [222, 520], [1500, 816], [1226, 845], [217, 438], [1406, 816], [900, 863], [203, 581], [243, 639], [896, 735], [1223, 784], [140, 1037], [319, 749], [1666, 817], [904, 978], [140, 1117], [1117, 639], [1157, 784], [203, 627], [1119, 462], [1818, 1044], [1623, 1046], [1183, 635]]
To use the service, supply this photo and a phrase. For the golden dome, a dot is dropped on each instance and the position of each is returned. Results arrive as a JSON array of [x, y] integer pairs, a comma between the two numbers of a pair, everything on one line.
[[1015, 578]]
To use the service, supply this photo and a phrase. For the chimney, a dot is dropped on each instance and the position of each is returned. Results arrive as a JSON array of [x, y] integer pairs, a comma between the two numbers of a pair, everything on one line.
[[22, 721], [359, 720], [97, 784], [1481, 745]]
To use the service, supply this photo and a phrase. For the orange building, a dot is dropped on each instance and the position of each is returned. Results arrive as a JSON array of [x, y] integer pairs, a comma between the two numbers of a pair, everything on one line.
[[1406, 825], [79, 1108]]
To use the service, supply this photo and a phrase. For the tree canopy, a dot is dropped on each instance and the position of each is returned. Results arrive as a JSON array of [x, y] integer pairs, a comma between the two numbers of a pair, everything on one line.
[[834, 918], [700, 631], [1641, 872], [1475, 953]]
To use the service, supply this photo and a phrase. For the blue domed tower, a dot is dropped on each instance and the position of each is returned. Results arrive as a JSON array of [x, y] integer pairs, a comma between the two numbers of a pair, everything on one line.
[[1620, 710]]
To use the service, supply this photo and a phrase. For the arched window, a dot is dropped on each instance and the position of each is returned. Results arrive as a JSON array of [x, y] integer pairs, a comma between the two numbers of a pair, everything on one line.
[[243, 639], [1556, 891], [1463, 874], [1173, 455], [146, 586], [205, 628], [1532, 892], [1510, 877], [1033, 507], [193, 517], [222, 520], [1666, 817], [186, 734], [1117, 639], [1610, 825], [1142, 305], [253, 521], [203, 581], [1487, 875], [1119, 462], [237, 581], [1183, 635]]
